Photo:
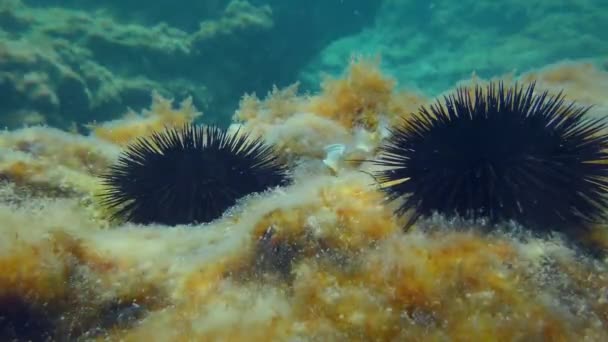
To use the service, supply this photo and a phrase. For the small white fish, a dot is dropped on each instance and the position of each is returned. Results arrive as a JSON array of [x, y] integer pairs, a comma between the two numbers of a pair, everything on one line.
[[334, 154]]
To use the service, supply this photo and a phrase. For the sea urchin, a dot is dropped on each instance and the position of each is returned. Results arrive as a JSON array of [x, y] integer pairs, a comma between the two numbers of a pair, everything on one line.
[[190, 174], [500, 155]]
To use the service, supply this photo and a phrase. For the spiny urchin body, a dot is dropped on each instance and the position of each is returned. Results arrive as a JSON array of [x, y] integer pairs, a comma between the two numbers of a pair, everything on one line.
[[189, 175], [500, 155]]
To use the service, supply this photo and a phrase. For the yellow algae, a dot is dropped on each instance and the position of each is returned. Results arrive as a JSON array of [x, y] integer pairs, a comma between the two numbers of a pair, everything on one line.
[[598, 236], [584, 82], [404, 103], [39, 176], [359, 98], [360, 219], [417, 285], [354, 109], [347, 216], [278, 104], [337, 265], [160, 115], [52, 162], [32, 270]]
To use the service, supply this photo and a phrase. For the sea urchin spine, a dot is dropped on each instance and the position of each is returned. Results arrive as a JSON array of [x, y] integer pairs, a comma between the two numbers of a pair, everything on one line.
[[189, 175], [502, 155]]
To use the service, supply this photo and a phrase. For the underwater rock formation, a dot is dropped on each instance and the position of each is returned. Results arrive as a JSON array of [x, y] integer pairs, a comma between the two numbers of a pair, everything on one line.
[[323, 258], [431, 45]]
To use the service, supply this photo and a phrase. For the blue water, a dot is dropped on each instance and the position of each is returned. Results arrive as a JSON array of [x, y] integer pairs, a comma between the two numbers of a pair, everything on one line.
[[98, 58]]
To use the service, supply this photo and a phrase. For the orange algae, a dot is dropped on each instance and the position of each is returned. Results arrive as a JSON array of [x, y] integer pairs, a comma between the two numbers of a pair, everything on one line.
[[433, 285], [353, 110], [583, 81], [32, 270], [278, 104], [346, 217], [354, 276], [19, 171], [357, 98], [160, 115], [461, 291], [598, 236], [361, 219], [362, 97]]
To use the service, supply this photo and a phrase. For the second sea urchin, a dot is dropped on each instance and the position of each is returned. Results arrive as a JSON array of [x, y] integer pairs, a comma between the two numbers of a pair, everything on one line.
[[189, 175], [501, 155]]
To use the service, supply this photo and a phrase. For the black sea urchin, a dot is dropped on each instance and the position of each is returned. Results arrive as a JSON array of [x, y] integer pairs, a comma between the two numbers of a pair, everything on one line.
[[500, 155], [188, 175]]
